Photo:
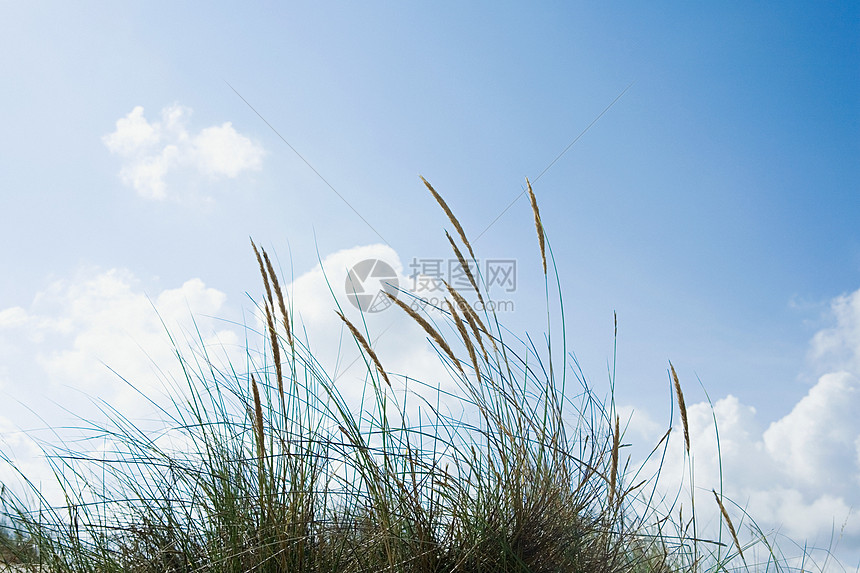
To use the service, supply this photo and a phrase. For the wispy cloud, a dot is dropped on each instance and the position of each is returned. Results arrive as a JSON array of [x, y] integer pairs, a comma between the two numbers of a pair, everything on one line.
[[150, 151]]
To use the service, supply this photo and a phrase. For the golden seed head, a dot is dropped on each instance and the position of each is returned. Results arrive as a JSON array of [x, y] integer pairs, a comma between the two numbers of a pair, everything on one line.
[[681, 406], [366, 346], [538, 225]]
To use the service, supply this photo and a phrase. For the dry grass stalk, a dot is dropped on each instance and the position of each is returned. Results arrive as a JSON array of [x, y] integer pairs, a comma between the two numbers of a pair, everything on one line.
[[471, 322], [276, 350], [465, 266], [465, 306], [265, 275], [613, 476], [261, 446], [366, 346], [466, 340], [730, 524], [538, 225], [258, 420], [280, 296], [472, 318], [681, 406], [427, 328], [451, 216]]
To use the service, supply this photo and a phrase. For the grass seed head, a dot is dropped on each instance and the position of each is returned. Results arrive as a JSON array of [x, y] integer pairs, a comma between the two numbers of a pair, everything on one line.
[[366, 346], [465, 266], [682, 407], [465, 336], [475, 322], [276, 349], [280, 296], [728, 521], [434, 334], [451, 216], [263, 273], [538, 225], [258, 420], [613, 475]]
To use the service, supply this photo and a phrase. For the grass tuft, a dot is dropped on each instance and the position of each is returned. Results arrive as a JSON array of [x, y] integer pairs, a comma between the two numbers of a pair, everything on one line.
[[268, 467]]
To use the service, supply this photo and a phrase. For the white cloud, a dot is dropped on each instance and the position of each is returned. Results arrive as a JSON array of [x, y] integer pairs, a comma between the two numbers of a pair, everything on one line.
[[56, 355], [152, 151], [133, 134], [13, 317], [28, 462], [817, 442], [799, 475], [221, 151], [838, 347], [637, 425], [77, 328]]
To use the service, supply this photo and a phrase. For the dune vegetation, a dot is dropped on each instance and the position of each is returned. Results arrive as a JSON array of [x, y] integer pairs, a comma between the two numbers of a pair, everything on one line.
[[264, 466]]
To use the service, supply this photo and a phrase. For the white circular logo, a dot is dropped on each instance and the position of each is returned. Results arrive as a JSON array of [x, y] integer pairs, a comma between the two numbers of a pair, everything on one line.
[[365, 283]]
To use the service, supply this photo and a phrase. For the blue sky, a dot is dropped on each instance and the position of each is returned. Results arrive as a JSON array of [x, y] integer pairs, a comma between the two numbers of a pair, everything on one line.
[[713, 206]]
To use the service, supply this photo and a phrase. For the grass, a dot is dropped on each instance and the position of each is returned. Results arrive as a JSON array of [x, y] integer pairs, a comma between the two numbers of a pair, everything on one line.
[[265, 467]]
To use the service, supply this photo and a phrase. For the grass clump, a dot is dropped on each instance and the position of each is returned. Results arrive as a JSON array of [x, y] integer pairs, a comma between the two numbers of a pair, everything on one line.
[[266, 467]]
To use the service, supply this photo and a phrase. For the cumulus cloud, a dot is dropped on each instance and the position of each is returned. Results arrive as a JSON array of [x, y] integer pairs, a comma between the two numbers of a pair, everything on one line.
[[817, 442], [78, 328], [150, 151], [798, 475], [57, 354], [838, 346]]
